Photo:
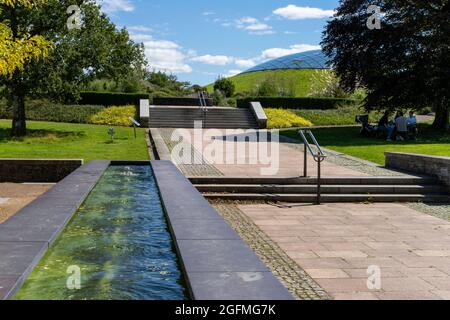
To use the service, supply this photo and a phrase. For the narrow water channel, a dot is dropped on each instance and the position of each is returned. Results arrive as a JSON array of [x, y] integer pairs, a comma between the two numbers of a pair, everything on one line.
[[120, 243]]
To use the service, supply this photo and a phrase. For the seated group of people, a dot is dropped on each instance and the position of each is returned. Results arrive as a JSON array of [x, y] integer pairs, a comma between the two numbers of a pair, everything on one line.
[[400, 127]]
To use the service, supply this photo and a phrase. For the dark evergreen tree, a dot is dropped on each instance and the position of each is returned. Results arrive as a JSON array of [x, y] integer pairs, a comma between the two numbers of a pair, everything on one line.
[[403, 65]]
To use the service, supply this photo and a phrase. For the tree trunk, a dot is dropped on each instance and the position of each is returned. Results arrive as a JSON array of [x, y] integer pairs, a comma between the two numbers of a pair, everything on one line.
[[17, 103], [441, 122]]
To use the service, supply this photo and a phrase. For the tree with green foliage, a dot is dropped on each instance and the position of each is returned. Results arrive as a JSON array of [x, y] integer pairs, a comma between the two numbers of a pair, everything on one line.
[[224, 85], [405, 64], [96, 50]]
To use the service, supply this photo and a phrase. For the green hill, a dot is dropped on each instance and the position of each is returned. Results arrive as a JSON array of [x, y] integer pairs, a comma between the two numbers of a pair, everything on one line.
[[247, 82]]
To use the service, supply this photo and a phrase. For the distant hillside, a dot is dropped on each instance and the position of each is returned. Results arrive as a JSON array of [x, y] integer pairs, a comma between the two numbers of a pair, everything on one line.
[[248, 81]]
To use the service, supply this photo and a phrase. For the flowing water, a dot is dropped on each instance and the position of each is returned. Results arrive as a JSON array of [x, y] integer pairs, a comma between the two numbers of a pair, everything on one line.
[[120, 243]]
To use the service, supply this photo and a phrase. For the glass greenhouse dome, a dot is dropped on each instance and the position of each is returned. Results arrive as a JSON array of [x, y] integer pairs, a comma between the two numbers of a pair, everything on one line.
[[305, 60]]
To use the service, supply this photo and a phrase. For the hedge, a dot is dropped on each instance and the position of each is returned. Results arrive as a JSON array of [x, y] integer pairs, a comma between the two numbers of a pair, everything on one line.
[[41, 110], [111, 98], [295, 103], [179, 101]]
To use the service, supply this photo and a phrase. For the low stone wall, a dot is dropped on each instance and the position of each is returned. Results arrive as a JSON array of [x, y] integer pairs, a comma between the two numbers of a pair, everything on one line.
[[259, 114], [36, 171], [418, 163]]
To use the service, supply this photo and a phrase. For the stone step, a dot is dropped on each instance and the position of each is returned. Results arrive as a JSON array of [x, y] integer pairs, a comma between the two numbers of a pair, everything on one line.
[[328, 189], [357, 181], [326, 198]]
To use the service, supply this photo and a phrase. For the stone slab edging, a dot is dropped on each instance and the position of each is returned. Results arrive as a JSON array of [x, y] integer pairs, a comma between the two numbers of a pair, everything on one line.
[[162, 151], [217, 264], [260, 114], [27, 235], [422, 164], [37, 170]]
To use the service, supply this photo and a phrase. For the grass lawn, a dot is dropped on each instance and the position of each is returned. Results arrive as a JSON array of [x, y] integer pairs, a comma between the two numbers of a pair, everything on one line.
[[341, 116], [247, 82], [49, 140], [348, 141]]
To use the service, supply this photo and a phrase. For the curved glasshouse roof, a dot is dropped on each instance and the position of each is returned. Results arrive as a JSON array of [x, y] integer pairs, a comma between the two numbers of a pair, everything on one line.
[[305, 60]]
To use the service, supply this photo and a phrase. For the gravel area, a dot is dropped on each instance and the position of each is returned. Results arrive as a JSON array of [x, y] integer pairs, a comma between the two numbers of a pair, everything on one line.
[[204, 169], [288, 271], [439, 210]]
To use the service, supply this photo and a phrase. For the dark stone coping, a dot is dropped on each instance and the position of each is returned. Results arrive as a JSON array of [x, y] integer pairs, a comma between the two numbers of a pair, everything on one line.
[[37, 170], [26, 236], [218, 265]]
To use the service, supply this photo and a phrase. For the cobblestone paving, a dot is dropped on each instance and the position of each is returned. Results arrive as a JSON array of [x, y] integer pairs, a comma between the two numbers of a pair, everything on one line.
[[203, 169], [439, 210], [283, 267]]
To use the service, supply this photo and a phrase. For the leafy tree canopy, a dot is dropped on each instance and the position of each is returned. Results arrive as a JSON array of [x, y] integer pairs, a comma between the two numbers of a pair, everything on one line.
[[405, 64]]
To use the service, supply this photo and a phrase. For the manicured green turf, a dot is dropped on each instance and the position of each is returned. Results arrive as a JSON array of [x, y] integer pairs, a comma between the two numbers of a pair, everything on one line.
[[341, 116], [247, 82], [349, 141], [72, 141]]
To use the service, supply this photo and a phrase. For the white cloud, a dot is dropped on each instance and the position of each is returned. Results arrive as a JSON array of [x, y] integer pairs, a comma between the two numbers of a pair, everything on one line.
[[139, 28], [140, 37], [293, 12], [245, 63], [252, 25], [232, 73], [274, 53], [218, 60], [164, 55], [111, 6], [208, 13]]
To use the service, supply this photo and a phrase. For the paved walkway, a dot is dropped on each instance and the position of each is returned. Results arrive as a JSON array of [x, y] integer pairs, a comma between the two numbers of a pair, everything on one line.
[[337, 243], [286, 158], [14, 197]]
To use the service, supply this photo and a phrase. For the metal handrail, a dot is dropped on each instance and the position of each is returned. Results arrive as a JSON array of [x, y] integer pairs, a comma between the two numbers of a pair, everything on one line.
[[318, 156], [203, 104]]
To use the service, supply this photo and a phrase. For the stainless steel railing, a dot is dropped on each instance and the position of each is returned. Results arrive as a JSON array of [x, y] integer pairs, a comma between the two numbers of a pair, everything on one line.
[[319, 156]]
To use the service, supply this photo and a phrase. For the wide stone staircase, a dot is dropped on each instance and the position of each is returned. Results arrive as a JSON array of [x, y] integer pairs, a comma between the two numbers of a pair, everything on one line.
[[304, 190], [213, 117]]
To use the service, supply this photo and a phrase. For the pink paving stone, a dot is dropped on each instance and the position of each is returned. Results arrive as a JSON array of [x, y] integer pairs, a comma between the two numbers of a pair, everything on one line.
[[244, 164], [355, 296], [327, 273], [411, 248]]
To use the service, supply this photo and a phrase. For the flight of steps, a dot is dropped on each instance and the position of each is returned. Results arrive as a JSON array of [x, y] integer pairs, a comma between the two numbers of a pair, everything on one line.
[[304, 190], [216, 117]]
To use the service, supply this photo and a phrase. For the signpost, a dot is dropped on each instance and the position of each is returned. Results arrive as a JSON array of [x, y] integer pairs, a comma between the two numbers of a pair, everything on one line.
[[135, 124]]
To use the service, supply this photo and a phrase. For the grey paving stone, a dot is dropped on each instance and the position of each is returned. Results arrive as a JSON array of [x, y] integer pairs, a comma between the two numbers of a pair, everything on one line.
[[6, 284], [17, 258], [197, 229], [182, 201], [238, 286], [219, 256]]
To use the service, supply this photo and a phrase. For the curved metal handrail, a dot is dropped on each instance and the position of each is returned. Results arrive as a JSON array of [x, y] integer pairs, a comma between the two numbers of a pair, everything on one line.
[[318, 156]]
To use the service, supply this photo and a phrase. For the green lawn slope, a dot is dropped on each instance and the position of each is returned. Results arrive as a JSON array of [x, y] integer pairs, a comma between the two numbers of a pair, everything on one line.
[[248, 81]]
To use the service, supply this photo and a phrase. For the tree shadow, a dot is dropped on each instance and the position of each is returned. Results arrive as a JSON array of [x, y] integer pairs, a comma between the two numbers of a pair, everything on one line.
[[5, 135]]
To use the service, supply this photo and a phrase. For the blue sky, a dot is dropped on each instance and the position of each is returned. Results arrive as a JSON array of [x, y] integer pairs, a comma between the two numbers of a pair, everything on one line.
[[199, 40]]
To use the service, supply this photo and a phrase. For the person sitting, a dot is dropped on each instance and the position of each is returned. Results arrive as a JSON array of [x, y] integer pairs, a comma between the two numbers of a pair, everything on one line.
[[412, 120], [412, 125], [401, 124], [386, 127]]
